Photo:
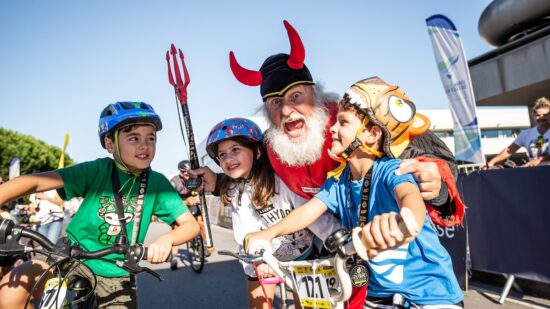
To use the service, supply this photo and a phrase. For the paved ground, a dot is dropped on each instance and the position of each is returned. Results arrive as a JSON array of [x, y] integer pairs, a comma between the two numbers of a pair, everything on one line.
[[221, 284]]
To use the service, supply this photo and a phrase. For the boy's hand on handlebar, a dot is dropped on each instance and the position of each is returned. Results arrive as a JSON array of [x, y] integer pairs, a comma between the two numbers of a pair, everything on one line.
[[208, 178], [381, 233], [256, 237], [159, 250]]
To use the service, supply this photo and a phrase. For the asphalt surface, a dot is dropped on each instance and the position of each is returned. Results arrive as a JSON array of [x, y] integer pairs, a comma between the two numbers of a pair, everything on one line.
[[221, 283]]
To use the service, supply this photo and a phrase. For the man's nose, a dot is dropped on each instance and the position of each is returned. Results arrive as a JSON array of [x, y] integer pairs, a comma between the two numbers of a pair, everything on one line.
[[286, 109]]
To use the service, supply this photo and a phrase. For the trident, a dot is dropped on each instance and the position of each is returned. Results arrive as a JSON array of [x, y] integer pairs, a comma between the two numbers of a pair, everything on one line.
[[180, 87]]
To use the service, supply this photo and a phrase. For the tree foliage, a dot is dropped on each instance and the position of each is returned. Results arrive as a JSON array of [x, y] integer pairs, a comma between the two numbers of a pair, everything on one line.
[[34, 155]]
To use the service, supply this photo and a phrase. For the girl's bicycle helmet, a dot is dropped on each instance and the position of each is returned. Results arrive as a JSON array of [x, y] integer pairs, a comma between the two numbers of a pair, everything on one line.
[[119, 114], [230, 128]]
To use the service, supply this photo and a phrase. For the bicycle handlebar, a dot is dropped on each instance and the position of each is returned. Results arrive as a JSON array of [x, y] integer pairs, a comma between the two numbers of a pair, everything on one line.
[[9, 245], [340, 241]]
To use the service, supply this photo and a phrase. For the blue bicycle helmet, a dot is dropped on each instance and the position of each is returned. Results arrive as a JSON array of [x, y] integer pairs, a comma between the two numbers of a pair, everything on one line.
[[119, 114], [230, 128]]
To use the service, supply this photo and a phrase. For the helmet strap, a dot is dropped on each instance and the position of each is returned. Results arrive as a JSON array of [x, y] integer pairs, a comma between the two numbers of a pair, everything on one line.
[[118, 157], [345, 155]]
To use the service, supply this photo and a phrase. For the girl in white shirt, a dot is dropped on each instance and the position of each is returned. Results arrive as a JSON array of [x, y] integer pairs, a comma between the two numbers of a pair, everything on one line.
[[259, 199]]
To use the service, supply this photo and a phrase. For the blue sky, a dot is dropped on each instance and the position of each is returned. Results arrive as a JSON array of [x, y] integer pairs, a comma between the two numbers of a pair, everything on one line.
[[62, 62]]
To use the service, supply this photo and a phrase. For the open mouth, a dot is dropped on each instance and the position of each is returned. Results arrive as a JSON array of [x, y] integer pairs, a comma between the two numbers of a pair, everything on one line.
[[295, 126], [232, 166]]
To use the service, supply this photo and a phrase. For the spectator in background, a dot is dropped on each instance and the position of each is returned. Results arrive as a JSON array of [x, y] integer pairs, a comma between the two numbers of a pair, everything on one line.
[[534, 140], [49, 212], [192, 201]]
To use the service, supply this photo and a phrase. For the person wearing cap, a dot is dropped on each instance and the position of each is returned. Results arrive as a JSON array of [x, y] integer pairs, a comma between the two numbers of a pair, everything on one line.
[[300, 113], [191, 199]]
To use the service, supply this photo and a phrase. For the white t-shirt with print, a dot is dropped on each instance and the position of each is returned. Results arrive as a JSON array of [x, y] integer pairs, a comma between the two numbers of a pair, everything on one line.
[[529, 139], [247, 219], [47, 211]]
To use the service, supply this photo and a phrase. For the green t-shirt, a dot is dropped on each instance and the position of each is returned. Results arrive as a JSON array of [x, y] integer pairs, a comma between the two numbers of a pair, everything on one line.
[[95, 224]]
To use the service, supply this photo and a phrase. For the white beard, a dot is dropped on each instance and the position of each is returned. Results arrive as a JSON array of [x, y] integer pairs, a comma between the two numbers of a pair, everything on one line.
[[305, 149]]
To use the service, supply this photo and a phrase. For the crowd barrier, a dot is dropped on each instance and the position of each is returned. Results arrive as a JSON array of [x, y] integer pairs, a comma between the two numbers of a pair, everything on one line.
[[506, 216]]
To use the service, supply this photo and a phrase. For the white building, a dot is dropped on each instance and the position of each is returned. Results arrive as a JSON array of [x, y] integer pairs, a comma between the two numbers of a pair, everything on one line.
[[499, 127]]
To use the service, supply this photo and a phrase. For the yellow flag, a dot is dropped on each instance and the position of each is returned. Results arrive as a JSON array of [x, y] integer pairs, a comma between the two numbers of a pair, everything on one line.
[[62, 158]]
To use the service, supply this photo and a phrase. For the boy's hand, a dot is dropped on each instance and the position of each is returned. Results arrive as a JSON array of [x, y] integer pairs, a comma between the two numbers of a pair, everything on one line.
[[159, 250], [425, 173], [261, 236], [381, 233], [208, 178]]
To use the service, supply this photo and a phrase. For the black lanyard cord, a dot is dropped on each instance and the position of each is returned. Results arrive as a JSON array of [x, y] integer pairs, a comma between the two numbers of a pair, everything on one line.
[[120, 206], [364, 207]]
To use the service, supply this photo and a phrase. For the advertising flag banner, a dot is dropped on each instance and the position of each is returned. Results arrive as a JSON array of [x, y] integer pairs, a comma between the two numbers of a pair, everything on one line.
[[455, 76], [14, 168]]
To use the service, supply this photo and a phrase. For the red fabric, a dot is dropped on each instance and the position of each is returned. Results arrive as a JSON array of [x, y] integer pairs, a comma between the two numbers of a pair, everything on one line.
[[357, 298], [307, 180], [446, 176]]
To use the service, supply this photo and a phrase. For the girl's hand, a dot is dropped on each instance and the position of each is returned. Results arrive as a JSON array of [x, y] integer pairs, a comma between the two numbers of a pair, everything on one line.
[[254, 238], [264, 271], [159, 250], [208, 178]]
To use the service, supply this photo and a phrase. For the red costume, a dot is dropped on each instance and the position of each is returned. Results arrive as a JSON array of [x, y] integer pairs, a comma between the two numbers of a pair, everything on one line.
[[307, 180]]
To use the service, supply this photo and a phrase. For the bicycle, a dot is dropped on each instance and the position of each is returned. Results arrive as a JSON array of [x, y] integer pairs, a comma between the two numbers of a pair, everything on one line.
[[320, 283], [58, 289], [195, 248], [323, 283]]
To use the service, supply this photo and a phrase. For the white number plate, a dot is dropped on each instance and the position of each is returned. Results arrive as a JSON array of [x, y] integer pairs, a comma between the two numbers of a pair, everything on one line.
[[54, 294], [313, 285]]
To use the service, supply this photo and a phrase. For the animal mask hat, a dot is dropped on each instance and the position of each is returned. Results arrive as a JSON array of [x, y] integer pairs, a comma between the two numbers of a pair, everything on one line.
[[279, 72], [388, 107]]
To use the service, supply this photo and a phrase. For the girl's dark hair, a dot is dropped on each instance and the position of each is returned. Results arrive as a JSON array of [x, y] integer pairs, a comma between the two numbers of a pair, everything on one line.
[[262, 175]]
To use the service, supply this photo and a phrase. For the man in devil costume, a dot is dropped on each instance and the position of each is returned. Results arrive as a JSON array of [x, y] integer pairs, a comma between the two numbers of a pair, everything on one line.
[[298, 138]]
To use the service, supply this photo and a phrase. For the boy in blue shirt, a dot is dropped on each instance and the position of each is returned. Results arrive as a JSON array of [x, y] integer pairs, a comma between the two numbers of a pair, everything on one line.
[[374, 124]]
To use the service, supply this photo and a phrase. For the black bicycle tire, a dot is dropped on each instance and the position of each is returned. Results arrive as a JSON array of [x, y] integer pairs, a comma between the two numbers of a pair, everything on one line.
[[195, 254]]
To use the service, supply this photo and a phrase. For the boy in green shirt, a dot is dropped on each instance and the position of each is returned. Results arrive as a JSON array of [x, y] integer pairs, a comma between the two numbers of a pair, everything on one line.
[[128, 131]]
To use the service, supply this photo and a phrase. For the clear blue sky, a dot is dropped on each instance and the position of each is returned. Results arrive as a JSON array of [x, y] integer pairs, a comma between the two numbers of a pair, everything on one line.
[[61, 62]]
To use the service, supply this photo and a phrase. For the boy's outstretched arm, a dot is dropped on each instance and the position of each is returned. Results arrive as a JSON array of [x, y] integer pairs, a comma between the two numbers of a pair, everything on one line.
[[296, 220], [383, 231], [187, 228], [28, 184]]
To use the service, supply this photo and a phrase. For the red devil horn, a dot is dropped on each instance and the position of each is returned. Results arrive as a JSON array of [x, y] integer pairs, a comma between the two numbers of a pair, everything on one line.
[[297, 51], [245, 76]]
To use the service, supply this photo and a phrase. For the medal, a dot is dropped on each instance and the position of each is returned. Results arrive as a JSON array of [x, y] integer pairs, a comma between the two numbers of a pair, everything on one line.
[[359, 275]]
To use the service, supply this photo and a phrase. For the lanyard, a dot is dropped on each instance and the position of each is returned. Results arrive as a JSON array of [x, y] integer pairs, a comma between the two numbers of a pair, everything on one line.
[[364, 207], [120, 206]]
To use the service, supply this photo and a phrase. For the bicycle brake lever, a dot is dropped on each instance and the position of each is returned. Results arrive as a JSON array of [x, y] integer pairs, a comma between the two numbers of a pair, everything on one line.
[[135, 269], [153, 273], [245, 258]]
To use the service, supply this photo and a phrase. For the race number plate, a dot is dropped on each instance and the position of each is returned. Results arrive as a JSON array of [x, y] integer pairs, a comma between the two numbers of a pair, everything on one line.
[[313, 285], [54, 294]]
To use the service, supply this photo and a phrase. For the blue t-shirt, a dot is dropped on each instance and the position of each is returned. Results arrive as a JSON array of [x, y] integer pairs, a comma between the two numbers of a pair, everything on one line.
[[421, 270]]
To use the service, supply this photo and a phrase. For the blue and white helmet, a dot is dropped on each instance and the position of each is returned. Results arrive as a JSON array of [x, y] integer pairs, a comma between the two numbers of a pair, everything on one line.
[[119, 114]]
